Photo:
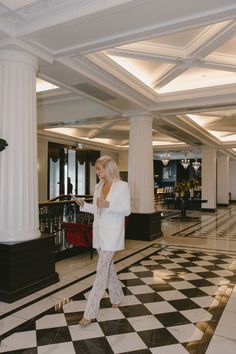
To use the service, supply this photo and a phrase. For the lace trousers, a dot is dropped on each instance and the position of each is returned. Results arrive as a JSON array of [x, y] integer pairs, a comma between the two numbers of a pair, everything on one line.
[[106, 277]]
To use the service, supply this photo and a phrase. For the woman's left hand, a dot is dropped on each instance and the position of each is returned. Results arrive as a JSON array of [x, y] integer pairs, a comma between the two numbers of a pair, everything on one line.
[[102, 203]]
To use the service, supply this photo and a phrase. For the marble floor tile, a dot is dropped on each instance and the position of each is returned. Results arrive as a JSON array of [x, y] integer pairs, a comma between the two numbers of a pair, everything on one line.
[[172, 295], [19, 341], [92, 331], [170, 349], [130, 300], [186, 333], [140, 289], [181, 285], [50, 321], [206, 301], [197, 315], [140, 323], [160, 307], [227, 325], [62, 348], [219, 345], [74, 306], [108, 314], [122, 343]]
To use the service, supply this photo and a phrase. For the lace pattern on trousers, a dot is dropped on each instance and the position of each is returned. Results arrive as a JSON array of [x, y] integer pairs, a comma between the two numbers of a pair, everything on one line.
[[106, 277]]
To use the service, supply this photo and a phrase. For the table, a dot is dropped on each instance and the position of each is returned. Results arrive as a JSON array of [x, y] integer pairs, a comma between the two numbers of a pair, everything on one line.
[[185, 204]]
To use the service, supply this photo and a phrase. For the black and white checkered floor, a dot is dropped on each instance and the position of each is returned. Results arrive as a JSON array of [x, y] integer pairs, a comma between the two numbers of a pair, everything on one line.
[[216, 226], [174, 299]]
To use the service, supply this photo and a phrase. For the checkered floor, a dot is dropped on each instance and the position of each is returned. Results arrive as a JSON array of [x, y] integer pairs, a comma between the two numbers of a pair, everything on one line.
[[173, 301], [222, 226]]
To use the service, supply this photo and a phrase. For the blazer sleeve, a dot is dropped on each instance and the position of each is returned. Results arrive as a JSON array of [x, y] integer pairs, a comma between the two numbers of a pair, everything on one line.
[[88, 208], [121, 204], [91, 207]]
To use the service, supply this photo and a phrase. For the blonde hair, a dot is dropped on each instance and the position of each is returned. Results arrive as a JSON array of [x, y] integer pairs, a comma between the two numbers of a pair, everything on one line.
[[112, 170]]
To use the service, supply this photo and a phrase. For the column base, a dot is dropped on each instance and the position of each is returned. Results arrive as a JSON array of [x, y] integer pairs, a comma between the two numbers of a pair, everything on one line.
[[210, 210], [145, 227], [26, 267]]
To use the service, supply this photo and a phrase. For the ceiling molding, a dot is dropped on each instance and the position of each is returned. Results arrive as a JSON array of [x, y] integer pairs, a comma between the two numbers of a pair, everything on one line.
[[95, 73], [204, 36], [118, 73], [224, 34]]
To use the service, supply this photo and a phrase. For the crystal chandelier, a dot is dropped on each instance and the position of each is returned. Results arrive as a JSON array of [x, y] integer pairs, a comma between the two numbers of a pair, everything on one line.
[[165, 158], [196, 164], [185, 162]]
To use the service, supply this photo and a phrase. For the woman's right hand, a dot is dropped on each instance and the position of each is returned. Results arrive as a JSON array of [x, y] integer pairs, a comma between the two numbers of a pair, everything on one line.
[[78, 201]]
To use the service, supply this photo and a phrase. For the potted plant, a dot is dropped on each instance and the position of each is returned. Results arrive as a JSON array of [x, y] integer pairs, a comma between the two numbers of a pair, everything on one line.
[[3, 144]]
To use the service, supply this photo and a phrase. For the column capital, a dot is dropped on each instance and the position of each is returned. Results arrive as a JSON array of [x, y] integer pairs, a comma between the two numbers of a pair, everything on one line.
[[143, 116], [18, 56]]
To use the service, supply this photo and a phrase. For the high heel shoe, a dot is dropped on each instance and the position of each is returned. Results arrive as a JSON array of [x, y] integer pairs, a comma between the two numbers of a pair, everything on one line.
[[84, 322]]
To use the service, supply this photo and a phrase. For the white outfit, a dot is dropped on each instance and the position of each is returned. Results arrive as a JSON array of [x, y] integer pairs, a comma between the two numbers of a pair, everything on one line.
[[108, 237], [108, 225]]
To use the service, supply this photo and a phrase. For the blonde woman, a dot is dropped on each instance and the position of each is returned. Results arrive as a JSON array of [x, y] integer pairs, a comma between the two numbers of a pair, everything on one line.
[[111, 203]]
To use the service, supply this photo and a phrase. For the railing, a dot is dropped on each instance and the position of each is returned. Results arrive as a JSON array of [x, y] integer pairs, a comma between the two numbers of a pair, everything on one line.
[[55, 212]]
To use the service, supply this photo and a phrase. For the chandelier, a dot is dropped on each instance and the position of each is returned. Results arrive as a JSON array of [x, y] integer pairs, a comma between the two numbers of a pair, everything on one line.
[[165, 158], [185, 162], [196, 164]]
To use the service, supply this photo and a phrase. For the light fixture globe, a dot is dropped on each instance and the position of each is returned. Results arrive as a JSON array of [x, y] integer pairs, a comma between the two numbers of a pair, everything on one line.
[[196, 164], [185, 162], [165, 158]]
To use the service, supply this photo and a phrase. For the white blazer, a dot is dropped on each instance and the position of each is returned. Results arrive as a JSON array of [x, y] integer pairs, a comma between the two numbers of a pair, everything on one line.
[[108, 225]]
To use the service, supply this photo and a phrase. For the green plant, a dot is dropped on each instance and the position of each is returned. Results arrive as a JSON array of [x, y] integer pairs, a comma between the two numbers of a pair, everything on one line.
[[3, 144]]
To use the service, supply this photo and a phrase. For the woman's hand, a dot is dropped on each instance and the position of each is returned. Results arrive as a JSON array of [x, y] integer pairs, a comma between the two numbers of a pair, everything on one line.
[[78, 201], [102, 203]]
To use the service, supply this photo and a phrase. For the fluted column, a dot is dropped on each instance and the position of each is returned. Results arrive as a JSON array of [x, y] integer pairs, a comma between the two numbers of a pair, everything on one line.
[[140, 170], [209, 177], [18, 163], [223, 179]]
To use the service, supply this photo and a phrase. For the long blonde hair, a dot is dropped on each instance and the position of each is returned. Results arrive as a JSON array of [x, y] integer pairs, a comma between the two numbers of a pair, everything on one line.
[[112, 170]]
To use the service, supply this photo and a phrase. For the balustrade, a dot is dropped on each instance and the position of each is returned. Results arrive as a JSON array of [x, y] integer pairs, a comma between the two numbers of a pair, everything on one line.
[[55, 213]]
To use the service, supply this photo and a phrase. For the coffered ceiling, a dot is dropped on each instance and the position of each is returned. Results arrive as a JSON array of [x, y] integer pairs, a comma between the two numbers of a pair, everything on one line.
[[110, 59]]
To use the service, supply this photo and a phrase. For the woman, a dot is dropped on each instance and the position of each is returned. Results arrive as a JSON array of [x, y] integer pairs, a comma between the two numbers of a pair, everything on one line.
[[111, 203]]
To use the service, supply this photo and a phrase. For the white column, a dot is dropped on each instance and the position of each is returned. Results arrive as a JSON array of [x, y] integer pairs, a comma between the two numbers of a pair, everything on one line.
[[222, 179], [140, 170], [18, 163], [209, 177]]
